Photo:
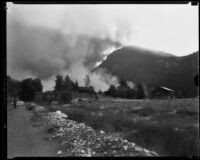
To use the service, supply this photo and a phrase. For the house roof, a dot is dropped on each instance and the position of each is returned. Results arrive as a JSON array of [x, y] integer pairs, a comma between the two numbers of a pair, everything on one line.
[[85, 89], [42, 93], [165, 88]]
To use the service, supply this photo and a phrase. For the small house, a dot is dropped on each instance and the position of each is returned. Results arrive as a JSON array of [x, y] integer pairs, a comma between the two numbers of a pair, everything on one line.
[[38, 97], [162, 93], [41, 96], [86, 90]]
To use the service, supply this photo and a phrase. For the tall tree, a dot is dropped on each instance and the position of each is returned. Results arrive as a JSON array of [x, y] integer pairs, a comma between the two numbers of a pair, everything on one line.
[[140, 91], [68, 84], [27, 90], [13, 87], [37, 85], [123, 83], [59, 83], [87, 81], [75, 86], [111, 91]]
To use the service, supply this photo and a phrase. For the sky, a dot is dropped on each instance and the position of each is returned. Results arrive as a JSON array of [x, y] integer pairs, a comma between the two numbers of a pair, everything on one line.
[[43, 40]]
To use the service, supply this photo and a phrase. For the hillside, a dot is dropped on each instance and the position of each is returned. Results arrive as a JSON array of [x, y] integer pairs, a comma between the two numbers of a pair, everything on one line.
[[154, 68]]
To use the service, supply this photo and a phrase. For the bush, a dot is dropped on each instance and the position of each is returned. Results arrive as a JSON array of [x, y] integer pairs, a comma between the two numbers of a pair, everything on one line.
[[65, 97], [52, 128], [165, 139], [184, 112], [76, 114], [53, 108], [148, 111], [30, 107]]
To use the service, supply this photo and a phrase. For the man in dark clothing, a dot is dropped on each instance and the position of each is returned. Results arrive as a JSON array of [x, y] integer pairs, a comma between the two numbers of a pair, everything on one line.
[[96, 97], [15, 103]]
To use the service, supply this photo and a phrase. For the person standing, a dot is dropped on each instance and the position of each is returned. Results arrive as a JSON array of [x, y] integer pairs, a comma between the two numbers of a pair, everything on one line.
[[15, 103]]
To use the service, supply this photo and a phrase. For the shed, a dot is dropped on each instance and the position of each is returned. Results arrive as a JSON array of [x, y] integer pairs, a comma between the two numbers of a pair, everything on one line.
[[86, 90], [40, 96], [162, 93]]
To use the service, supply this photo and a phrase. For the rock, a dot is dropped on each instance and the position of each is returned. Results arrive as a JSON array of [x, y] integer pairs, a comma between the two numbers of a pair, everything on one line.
[[125, 148], [102, 132], [61, 115], [125, 141], [82, 125], [61, 129], [93, 153], [145, 150], [132, 144], [59, 152], [138, 148]]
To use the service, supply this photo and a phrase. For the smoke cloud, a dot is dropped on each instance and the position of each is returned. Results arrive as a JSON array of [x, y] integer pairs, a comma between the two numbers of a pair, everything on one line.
[[131, 84], [71, 40]]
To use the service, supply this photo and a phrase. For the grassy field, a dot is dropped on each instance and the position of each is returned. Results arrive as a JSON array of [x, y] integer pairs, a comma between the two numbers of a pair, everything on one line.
[[169, 127]]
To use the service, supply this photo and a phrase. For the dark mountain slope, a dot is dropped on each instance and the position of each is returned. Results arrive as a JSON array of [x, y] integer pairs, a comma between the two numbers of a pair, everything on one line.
[[154, 68]]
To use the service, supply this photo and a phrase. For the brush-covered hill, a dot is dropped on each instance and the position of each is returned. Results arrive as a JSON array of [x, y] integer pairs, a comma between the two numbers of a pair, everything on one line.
[[154, 68]]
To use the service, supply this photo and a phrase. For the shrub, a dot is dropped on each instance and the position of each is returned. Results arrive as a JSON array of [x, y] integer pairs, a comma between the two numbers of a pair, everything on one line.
[[30, 107], [52, 108], [52, 128], [65, 97], [165, 139], [148, 111], [184, 112]]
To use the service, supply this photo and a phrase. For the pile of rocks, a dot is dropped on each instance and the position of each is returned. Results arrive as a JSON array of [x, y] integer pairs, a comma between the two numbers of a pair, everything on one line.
[[79, 139]]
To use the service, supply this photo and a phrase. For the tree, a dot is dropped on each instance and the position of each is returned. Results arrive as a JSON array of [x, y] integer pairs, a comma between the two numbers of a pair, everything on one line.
[[13, 87], [130, 94], [65, 97], [48, 97], [140, 91], [123, 83], [67, 84], [27, 90], [87, 81], [91, 89], [59, 83], [37, 85], [111, 91], [75, 86]]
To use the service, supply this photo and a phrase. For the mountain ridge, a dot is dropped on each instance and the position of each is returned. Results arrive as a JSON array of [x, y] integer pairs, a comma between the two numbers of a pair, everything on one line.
[[142, 65]]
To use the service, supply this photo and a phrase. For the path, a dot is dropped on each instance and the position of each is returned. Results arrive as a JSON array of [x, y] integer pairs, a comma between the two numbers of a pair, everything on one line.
[[24, 140]]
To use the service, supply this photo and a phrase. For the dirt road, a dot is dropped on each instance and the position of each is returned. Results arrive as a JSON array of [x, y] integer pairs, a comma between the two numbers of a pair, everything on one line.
[[24, 140]]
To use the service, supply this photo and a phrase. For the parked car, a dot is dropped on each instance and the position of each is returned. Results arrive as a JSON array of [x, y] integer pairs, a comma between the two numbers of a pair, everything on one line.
[[54, 102], [20, 103]]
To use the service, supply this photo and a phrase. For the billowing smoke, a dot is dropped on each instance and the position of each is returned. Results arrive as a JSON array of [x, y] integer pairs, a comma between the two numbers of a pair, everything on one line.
[[131, 84], [70, 41]]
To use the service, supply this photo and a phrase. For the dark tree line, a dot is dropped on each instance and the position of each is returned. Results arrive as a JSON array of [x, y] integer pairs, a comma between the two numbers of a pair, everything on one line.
[[25, 90], [13, 87], [65, 84], [28, 89], [64, 87], [124, 91]]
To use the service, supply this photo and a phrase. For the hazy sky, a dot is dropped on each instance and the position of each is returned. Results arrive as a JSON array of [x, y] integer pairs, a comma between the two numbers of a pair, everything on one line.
[[170, 28]]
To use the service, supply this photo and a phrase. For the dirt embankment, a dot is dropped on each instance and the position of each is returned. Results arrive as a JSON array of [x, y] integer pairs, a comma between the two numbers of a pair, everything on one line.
[[78, 139]]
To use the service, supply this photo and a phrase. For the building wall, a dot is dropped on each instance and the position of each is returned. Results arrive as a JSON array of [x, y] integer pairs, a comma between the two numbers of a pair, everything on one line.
[[163, 94]]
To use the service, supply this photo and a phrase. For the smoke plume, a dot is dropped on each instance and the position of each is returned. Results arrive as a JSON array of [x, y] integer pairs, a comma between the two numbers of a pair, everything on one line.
[[68, 41]]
